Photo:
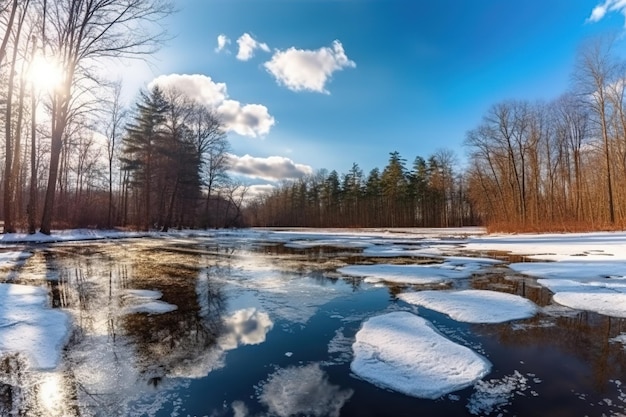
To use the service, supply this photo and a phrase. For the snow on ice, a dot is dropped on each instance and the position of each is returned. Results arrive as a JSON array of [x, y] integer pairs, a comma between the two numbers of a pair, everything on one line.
[[29, 327], [413, 274], [474, 306], [403, 352], [146, 301], [594, 286]]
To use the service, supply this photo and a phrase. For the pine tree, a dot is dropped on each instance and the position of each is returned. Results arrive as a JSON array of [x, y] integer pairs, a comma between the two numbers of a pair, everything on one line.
[[140, 146]]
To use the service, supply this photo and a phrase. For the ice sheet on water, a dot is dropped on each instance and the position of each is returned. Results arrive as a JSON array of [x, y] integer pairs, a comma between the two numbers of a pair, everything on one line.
[[413, 274], [574, 270], [253, 281], [403, 352], [594, 286], [302, 390], [29, 327], [474, 306], [346, 242], [600, 246]]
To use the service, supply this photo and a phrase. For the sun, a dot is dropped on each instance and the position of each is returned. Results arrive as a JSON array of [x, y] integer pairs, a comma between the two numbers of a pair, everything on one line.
[[45, 74]]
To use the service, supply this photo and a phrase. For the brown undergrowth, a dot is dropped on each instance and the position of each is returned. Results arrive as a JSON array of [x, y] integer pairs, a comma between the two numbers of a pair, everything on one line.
[[553, 227]]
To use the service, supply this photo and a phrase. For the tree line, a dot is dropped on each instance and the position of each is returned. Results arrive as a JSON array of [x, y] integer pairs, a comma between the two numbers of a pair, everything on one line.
[[531, 166], [558, 165], [74, 156], [428, 194]]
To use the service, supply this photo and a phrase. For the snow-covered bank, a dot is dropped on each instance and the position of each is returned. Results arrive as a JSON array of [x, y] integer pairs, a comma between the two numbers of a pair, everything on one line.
[[29, 327]]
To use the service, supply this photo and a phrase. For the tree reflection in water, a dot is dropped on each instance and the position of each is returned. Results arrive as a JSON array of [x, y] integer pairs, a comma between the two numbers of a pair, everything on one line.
[[118, 364], [112, 359]]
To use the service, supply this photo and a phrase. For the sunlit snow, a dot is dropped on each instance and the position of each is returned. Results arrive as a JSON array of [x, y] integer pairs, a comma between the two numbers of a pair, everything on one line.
[[474, 306], [403, 352], [29, 327], [592, 286]]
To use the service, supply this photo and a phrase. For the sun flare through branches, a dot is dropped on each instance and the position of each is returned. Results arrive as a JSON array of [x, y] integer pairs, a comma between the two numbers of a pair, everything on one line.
[[45, 74]]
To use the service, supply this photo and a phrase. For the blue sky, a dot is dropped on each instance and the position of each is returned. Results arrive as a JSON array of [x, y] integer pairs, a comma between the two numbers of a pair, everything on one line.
[[311, 84]]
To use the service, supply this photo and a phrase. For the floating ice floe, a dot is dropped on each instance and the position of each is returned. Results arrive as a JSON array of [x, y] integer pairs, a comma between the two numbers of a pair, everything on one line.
[[29, 327], [403, 352], [474, 306], [146, 301], [592, 286], [414, 274]]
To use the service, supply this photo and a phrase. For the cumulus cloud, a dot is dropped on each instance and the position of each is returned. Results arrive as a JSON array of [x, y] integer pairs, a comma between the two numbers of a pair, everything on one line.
[[308, 70], [247, 120], [198, 87], [259, 190], [247, 46], [273, 168], [602, 9], [251, 120], [222, 41]]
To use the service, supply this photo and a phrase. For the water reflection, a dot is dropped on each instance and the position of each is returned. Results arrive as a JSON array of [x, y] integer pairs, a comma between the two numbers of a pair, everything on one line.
[[240, 308], [115, 356], [302, 390]]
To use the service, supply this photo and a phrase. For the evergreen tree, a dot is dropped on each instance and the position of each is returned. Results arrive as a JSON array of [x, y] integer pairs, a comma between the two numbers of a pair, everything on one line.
[[140, 147]]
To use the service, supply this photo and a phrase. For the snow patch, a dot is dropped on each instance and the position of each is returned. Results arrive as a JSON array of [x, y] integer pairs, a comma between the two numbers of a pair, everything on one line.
[[474, 306], [592, 286], [29, 327], [403, 352]]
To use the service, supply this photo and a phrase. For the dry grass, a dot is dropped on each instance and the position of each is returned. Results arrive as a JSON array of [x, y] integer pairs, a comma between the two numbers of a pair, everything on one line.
[[553, 227]]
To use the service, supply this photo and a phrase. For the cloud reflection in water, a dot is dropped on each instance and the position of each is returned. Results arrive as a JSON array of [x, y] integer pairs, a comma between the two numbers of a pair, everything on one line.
[[303, 390]]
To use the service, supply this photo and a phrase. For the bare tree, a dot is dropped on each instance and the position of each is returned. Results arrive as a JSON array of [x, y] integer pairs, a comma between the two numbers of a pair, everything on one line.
[[13, 128], [117, 116], [596, 68], [83, 32]]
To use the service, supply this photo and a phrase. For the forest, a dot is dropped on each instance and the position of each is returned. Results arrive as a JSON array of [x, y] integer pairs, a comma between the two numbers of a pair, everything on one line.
[[74, 155]]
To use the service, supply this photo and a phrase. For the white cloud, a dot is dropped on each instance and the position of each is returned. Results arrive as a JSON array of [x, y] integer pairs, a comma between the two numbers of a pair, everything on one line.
[[601, 10], [247, 45], [300, 69], [251, 120], [258, 190], [198, 87], [222, 41], [248, 120], [273, 168]]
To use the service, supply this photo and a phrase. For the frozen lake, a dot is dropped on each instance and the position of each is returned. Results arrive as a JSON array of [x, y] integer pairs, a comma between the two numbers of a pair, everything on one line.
[[266, 323]]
